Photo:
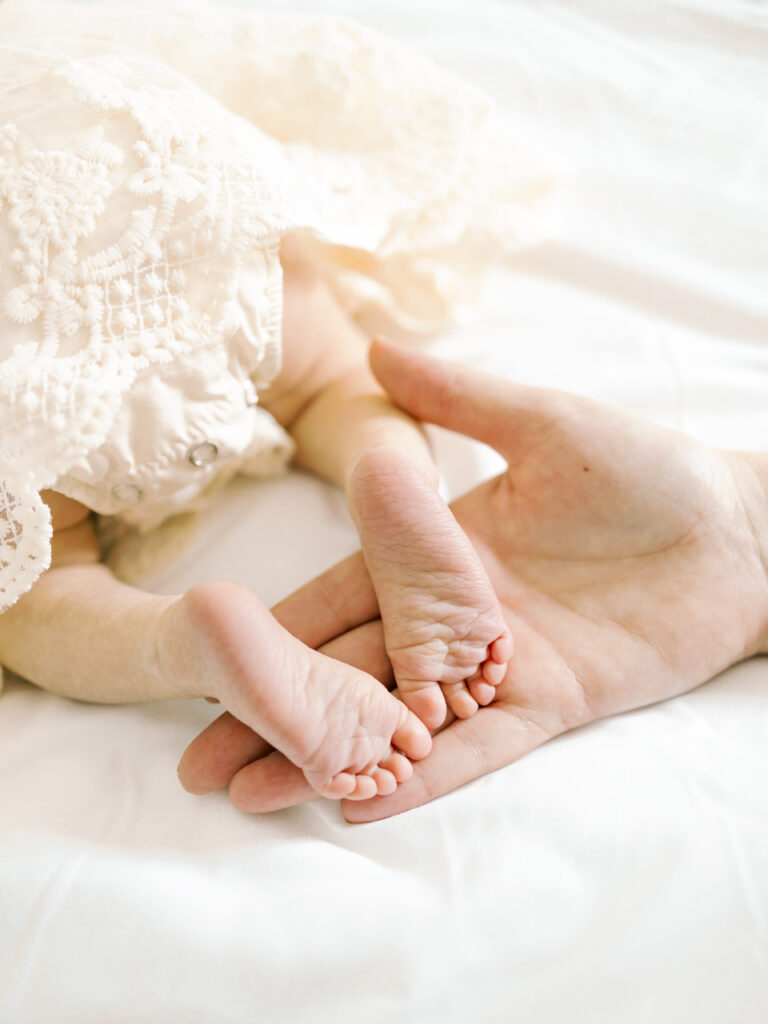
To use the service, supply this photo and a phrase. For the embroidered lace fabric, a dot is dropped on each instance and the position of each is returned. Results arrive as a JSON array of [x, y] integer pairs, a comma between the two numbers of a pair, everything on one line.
[[149, 167]]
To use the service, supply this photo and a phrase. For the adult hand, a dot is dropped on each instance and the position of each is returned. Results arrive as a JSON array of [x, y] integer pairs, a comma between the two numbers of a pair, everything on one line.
[[631, 563]]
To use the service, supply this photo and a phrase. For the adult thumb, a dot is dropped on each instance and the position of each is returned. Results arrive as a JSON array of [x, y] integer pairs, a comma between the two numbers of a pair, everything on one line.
[[487, 408]]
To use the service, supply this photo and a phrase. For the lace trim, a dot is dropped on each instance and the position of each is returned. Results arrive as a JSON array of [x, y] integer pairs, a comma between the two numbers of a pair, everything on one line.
[[25, 541], [90, 300]]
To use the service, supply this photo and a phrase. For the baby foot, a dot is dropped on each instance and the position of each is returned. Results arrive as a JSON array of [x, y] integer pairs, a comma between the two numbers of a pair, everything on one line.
[[338, 724], [442, 621]]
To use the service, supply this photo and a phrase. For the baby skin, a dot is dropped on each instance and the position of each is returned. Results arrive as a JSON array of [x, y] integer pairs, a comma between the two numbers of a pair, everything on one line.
[[346, 731], [82, 633], [444, 632], [443, 629]]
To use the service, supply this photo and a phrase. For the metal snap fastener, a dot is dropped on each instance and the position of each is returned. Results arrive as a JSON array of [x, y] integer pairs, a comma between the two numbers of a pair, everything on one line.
[[251, 395], [127, 494], [203, 453]]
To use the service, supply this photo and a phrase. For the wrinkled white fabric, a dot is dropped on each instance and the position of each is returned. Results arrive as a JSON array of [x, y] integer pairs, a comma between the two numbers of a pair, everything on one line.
[[618, 874], [148, 171]]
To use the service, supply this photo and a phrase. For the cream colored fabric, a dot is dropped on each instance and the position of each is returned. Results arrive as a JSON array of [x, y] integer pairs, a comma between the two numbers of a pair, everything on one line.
[[149, 168]]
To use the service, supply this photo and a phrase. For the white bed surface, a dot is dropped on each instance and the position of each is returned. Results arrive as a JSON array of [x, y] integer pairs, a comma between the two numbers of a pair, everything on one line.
[[617, 874]]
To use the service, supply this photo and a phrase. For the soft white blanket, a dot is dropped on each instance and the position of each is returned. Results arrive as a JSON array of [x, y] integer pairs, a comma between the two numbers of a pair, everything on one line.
[[619, 873]]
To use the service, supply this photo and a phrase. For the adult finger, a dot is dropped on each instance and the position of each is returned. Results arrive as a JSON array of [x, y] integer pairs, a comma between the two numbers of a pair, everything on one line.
[[331, 604], [218, 753], [467, 749], [271, 783], [498, 412]]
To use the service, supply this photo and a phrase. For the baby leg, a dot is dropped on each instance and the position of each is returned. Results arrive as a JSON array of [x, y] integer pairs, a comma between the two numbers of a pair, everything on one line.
[[442, 620], [81, 633]]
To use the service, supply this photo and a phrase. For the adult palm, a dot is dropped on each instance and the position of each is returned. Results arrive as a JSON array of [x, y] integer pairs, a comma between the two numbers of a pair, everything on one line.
[[629, 560]]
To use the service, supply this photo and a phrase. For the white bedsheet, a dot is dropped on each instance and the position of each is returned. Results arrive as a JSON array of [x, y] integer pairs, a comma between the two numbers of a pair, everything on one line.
[[617, 875]]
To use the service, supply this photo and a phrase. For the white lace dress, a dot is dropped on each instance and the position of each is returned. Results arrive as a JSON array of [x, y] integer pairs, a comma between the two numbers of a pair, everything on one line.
[[149, 166]]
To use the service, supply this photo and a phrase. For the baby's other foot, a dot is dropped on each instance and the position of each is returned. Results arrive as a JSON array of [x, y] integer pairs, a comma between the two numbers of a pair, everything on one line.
[[442, 621], [346, 731]]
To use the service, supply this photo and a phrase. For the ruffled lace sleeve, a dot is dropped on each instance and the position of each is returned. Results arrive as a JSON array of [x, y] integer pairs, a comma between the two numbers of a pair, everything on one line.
[[129, 214], [25, 541]]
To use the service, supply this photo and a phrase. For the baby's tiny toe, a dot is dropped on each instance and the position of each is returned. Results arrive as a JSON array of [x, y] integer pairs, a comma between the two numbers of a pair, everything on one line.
[[340, 786], [400, 767], [460, 701], [482, 691], [500, 650], [412, 736], [425, 700], [365, 788], [386, 783], [493, 673]]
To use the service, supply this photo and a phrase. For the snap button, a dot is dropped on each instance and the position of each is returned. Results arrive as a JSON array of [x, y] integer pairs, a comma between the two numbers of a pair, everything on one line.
[[251, 395], [203, 453], [127, 494]]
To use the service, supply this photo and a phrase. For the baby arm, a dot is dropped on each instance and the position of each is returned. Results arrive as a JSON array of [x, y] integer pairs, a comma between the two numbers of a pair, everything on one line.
[[442, 620]]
